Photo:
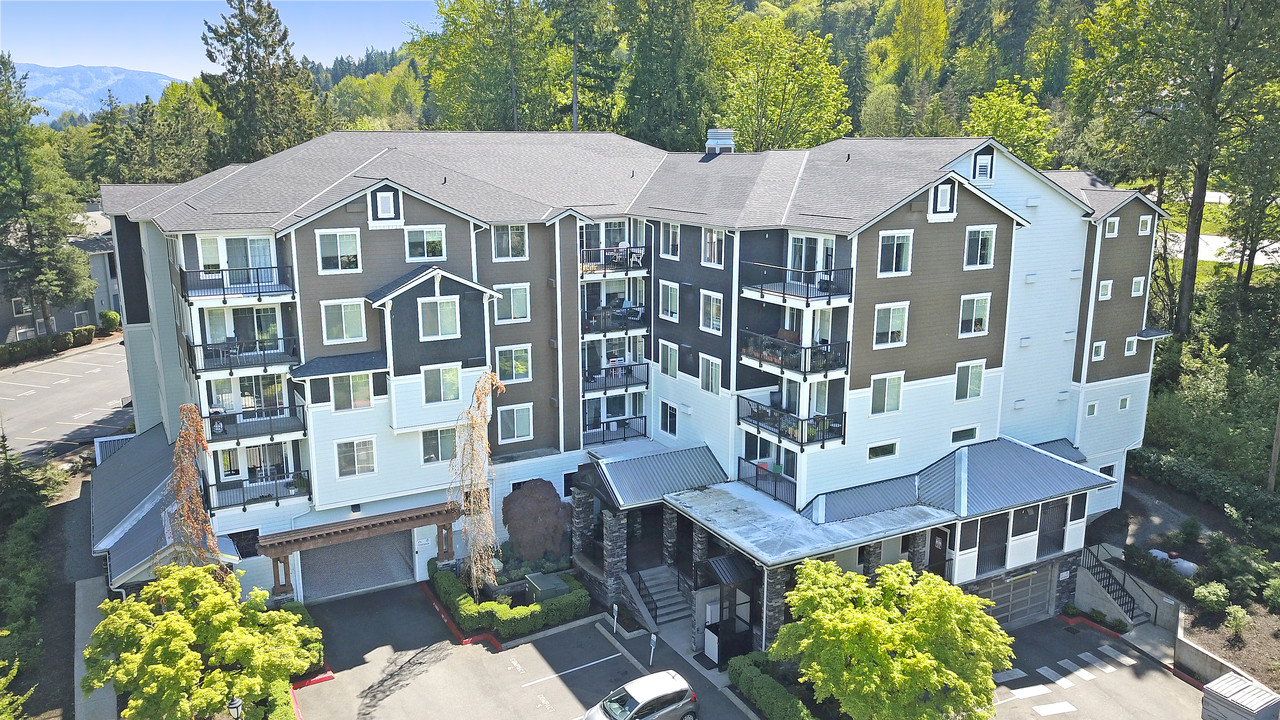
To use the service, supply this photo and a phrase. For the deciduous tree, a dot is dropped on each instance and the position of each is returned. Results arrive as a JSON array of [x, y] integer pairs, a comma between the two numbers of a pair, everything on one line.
[[472, 473], [10, 702], [1015, 119], [919, 39]]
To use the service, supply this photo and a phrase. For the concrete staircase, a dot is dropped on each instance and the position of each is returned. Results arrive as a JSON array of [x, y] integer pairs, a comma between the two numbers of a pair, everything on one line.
[[659, 588]]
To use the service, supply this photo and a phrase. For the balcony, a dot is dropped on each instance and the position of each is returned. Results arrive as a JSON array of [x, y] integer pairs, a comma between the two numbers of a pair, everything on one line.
[[274, 487], [264, 422], [776, 283], [619, 259], [623, 318], [242, 354], [237, 282], [614, 377], [616, 430], [786, 426], [764, 476], [786, 355]]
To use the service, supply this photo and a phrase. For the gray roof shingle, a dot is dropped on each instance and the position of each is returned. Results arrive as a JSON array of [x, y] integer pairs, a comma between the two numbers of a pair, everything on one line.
[[1092, 191], [340, 365], [127, 478]]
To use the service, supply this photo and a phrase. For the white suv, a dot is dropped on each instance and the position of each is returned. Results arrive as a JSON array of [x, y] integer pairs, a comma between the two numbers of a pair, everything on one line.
[[660, 696]]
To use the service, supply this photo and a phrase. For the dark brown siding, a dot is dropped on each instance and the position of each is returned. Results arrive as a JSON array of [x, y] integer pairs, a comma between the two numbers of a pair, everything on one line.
[[934, 287], [1121, 260]]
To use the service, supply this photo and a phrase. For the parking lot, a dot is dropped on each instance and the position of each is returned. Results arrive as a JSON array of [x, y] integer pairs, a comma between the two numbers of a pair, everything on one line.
[[1074, 672]]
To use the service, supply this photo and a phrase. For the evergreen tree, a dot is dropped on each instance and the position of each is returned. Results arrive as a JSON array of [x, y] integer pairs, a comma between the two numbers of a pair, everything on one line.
[[20, 487], [188, 128], [590, 31], [141, 163], [110, 142]]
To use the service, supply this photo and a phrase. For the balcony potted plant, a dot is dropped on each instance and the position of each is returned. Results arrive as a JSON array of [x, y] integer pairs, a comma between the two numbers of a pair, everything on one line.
[[299, 483]]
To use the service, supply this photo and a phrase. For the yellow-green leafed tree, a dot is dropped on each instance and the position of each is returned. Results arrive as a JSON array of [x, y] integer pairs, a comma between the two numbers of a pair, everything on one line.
[[1016, 119], [919, 39], [186, 644], [904, 648]]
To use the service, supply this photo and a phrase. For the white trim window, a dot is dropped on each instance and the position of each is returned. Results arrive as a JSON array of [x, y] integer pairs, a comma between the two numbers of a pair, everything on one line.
[[669, 301], [515, 363], [886, 393], [423, 243], [1131, 345], [385, 205], [338, 251], [42, 329], [1104, 290], [891, 325], [943, 200], [441, 384], [969, 379], [1113, 227], [713, 248], [81, 318], [895, 253], [711, 314], [668, 358], [1091, 409], [343, 321], [1099, 350], [964, 434], [356, 457], [1124, 403], [513, 306], [515, 423], [882, 451], [510, 243], [1137, 287], [438, 318], [668, 417], [438, 445], [709, 373], [20, 307], [975, 314], [669, 243], [1144, 225], [979, 247], [352, 392]]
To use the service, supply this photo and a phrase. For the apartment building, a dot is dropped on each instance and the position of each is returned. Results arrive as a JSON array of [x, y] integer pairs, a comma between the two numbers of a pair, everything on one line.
[[873, 350]]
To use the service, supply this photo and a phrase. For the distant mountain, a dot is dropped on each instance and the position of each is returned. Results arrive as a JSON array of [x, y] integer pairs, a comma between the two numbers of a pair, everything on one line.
[[83, 89]]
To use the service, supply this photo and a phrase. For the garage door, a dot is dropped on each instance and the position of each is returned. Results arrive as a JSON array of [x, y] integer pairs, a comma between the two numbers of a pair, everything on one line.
[[357, 567], [1020, 601]]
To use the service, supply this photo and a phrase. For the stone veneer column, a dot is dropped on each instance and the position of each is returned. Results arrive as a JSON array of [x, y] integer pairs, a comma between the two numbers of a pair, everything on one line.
[[918, 551], [670, 522], [615, 552], [583, 507], [775, 603], [634, 526], [1066, 586], [699, 554], [875, 558]]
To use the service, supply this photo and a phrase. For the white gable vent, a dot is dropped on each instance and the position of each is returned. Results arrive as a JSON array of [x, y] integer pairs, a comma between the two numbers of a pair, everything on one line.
[[719, 140]]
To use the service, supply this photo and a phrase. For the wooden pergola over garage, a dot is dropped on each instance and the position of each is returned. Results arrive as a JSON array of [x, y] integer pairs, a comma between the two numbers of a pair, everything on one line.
[[279, 546]]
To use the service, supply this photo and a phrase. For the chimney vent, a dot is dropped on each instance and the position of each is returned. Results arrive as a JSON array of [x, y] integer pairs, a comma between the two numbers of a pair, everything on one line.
[[719, 140]]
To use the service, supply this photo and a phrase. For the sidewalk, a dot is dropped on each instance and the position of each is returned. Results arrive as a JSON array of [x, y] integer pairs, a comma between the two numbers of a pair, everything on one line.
[[101, 705], [116, 338], [1154, 641]]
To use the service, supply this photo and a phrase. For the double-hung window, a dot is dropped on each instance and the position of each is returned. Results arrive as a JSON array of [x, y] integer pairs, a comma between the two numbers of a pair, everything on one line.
[[437, 445], [351, 392], [668, 358], [515, 423], [20, 307], [969, 380], [509, 243], [711, 317], [713, 247], [515, 363], [343, 321], [670, 247], [975, 314], [709, 373], [886, 393], [668, 301], [355, 457], [895, 253], [338, 251], [424, 242], [513, 306], [979, 247], [891, 325], [667, 415], [441, 384], [438, 318]]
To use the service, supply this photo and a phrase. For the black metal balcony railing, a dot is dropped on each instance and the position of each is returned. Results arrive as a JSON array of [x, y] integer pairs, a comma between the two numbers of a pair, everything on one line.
[[264, 422], [761, 475], [807, 285], [804, 359], [785, 425], [242, 353], [235, 282], [614, 430], [610, 319], [612, 377], [262, 489], [611, 259]]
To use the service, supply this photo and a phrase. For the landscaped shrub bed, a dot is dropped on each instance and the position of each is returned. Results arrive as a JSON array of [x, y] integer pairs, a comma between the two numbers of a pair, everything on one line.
[[515, 567], [509, 621], [747, 673], [1250, 507], [16, 352], [24, 580]]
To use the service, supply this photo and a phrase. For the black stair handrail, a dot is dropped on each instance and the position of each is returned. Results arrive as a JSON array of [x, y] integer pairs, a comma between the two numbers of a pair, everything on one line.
[[1094, 563], [646, 596]]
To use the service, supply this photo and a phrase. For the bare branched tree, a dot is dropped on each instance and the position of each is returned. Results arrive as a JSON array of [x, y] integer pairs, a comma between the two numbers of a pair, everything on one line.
[[472, 473], [194, 541]]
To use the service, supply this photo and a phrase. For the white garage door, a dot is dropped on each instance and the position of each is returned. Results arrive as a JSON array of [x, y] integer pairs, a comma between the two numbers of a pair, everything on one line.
[[1020, 601], [357, 567]]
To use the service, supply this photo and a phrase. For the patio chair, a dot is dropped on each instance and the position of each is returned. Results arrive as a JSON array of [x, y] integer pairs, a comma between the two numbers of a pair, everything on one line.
[[635, 257]]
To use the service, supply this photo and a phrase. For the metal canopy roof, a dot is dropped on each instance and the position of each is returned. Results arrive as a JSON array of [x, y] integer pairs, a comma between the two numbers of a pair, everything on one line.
[[631, 481]]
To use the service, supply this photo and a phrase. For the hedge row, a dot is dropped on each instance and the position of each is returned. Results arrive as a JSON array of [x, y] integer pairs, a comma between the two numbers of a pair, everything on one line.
[[505, 620], [280, 702], [775, 702], [16, 352], [1252, 507]]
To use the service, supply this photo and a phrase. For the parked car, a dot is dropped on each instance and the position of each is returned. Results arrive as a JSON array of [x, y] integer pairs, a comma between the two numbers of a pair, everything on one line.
[[659, 696]]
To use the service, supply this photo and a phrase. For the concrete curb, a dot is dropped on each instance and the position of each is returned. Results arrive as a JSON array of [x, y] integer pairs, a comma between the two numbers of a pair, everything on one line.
[[453, 628], [69, 353]]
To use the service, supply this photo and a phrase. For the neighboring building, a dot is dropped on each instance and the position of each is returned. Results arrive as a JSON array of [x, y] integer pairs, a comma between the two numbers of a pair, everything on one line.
[[20, 321], [881, 342]]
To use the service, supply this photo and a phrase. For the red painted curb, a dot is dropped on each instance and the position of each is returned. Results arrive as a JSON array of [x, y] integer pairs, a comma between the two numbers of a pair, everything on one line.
[[297, 711], [322, 677], [1090, 623], [1186, 678], [453, 628]]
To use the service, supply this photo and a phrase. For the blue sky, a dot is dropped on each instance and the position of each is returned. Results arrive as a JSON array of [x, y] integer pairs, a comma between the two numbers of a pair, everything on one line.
[[164, 35]]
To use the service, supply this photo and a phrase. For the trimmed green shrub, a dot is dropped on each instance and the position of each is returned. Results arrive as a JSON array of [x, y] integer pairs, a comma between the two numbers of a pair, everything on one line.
[[763, 690], [1212, 597], [1237, 621], [109, 320], [62, 341], [281, 703], [1070, 610], [82, 335], [1098, 616], [507, 621], [1190, 528], [1119, 625], [1271, 595]]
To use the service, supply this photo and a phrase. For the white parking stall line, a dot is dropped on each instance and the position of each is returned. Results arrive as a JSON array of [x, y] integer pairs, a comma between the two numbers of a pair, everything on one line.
[[1054, 677], [7, 382], [29, 392], [1117, 655], [1026, 692], [81, 362], [1095, 661], [1005, 676], [47, 372], [1054, 709], [77, 417], [6, 398], [1076, 670], [566, 672]]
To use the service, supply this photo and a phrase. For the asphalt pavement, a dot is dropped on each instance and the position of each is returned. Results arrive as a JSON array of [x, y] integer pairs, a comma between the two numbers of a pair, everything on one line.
[[62, 403]]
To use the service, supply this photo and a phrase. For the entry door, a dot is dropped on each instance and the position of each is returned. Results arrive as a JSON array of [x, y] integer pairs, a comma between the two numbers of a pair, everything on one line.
[[818, 398], [822, 326], [261, 392], [938, 538]]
